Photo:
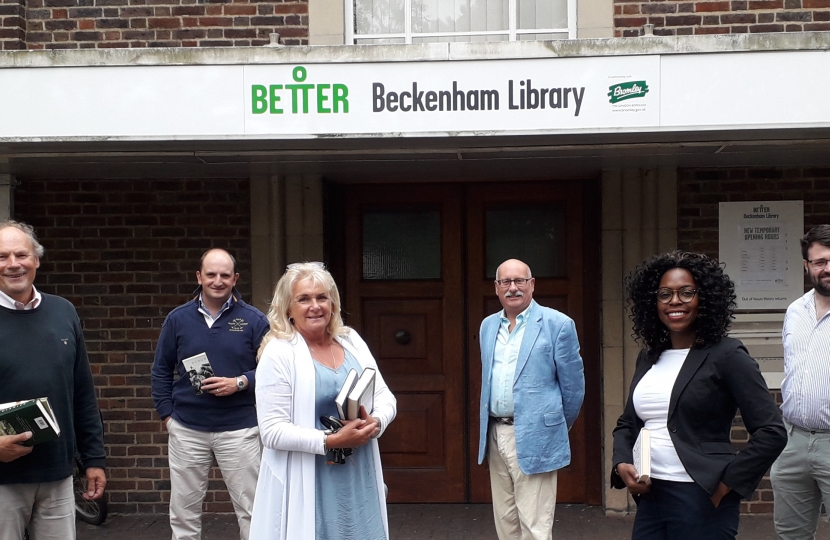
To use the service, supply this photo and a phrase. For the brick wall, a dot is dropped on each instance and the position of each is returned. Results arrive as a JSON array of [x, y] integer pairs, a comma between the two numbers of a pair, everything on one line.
[[125, 253], [700, 191], [73, 24], [683, 18], [12, 24]]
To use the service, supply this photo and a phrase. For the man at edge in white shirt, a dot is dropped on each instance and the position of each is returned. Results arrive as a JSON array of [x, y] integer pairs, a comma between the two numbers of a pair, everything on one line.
[[801, 475]]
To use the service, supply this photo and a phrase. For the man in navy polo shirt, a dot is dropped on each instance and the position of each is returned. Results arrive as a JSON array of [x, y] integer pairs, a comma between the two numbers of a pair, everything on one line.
[[219, 421]]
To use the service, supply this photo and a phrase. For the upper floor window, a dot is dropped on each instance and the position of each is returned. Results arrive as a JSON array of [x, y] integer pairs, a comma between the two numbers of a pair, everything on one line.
[[427, 21]]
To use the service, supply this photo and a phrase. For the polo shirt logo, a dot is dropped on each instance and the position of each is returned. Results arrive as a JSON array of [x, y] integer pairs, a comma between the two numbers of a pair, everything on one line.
[[237, 325]]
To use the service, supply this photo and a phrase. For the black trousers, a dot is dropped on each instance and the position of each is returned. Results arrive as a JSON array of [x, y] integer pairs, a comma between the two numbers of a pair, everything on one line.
[[684, 511]]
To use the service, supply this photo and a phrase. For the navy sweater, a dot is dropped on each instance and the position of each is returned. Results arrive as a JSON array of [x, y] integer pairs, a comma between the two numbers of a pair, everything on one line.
[[230, 344], [43, 354]]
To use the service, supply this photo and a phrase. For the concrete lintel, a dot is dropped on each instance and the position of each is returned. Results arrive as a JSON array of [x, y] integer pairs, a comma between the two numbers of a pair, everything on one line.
[[423, 52]]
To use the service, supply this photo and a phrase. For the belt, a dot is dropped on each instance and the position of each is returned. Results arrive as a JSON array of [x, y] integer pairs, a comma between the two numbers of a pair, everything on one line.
[[810, 431], [507, 420]]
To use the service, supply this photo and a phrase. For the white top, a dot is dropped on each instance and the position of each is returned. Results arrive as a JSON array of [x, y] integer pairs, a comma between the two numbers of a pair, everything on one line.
[[806, 385], [284, 505], [651, 402], [8, 302]]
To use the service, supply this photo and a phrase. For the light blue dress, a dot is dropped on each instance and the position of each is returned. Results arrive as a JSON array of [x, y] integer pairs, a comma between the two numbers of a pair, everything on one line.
[[348, 503]]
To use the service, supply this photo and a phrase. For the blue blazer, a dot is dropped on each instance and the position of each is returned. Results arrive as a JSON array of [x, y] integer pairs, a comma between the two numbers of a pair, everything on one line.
[[548, 388]]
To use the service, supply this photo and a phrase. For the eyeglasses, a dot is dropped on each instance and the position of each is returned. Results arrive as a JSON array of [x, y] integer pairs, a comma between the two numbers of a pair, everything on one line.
[[295, 266], [686, 294], [520, 282], [818, 264]]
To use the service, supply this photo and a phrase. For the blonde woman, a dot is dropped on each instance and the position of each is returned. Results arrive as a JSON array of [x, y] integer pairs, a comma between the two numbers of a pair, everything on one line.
[[303, 362]]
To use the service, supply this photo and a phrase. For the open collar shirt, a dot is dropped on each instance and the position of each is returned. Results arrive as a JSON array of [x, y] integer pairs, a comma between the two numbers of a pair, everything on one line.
[[10, 303], [806, 386], [209, 318], [505, 358]]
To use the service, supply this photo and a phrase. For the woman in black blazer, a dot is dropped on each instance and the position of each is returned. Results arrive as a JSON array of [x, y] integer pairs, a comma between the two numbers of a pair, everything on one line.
[[689, 381]]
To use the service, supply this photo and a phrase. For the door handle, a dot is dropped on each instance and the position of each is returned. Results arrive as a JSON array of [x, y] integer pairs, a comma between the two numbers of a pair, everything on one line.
[[403, 337]]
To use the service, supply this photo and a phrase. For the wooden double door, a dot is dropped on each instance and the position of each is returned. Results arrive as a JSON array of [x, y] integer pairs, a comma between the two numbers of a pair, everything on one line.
[[419, 262]]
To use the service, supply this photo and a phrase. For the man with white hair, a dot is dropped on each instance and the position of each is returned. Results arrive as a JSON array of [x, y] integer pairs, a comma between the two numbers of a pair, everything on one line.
[[43, 355], [532, 388]]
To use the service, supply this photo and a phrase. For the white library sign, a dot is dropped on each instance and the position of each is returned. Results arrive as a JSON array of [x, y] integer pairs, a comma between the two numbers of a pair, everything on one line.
[[638, 93], [759, 244]]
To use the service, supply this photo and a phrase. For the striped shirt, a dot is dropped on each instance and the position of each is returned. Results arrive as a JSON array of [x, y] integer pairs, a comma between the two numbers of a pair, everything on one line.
[[806, 386]]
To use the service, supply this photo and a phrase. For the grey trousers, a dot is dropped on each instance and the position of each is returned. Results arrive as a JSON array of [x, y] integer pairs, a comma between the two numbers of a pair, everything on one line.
[[800, 482], [46, 509]]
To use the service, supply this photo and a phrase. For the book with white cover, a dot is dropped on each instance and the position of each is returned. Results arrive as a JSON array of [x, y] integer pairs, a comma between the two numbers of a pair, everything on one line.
[[342, 396], [642, 455], [198, 369], [363, 393]]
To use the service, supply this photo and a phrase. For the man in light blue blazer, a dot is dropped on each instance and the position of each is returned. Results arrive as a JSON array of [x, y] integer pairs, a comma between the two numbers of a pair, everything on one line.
[[532, 388]]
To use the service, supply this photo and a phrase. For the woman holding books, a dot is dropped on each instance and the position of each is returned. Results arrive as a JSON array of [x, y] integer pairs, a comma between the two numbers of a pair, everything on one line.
[[304, 492], [688, 383]]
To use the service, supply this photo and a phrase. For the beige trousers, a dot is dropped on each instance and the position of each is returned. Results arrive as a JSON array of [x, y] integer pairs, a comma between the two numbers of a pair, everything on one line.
[[190, 454], [523, 505], [46, 509]]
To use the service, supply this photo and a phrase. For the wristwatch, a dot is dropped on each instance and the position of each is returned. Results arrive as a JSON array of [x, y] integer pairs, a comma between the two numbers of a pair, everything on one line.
[[240, 383]]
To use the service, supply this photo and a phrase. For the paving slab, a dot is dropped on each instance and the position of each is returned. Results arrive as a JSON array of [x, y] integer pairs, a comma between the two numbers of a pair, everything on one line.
[[428, 522]]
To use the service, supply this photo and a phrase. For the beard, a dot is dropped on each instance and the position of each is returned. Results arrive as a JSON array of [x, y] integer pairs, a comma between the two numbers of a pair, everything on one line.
[[821, 287]]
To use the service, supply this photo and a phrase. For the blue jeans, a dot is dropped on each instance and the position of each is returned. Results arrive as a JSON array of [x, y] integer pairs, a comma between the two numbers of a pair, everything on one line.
[[684, 511]]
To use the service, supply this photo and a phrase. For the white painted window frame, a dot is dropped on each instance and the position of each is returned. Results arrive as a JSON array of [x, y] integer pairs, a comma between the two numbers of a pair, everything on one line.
[[511, 32]]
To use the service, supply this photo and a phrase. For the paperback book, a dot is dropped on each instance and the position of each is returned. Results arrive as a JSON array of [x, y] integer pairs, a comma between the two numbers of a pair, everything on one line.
[[33, 415], [343, 395], [642, 455], [363, 394], [198, 369]]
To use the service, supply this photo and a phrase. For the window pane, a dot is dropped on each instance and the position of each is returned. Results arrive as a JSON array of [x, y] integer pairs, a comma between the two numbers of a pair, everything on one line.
[[541, 14], [535, 235], [378, 17], [459, 15], [402, 245]]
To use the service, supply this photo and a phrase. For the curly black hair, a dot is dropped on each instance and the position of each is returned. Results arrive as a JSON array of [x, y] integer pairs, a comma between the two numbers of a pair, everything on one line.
[[716, 299]]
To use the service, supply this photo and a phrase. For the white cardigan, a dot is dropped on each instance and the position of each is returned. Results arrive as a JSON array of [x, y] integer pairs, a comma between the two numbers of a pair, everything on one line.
[[284, 508]]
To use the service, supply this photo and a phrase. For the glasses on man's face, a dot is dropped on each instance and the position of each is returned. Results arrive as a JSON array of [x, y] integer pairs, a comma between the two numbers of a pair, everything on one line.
[[316, 264], [818, 264], [520, 282], [686, 294]]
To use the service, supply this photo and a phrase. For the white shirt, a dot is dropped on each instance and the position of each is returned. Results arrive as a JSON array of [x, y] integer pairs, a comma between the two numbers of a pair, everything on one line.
[[505, 358], [651, 402], [806, 386], [10, 303], [209, 318]]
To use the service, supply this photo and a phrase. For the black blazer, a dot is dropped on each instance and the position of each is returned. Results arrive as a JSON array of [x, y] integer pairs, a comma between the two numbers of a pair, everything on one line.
[[713, 383]]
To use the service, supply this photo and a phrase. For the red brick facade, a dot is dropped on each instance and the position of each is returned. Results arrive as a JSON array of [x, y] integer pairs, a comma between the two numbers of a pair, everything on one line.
[[685, 18], [125, 253], [698, 193], [88, 24]]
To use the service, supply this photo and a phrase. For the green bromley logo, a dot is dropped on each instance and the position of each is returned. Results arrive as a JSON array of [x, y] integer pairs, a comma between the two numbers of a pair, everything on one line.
[[628, 90]]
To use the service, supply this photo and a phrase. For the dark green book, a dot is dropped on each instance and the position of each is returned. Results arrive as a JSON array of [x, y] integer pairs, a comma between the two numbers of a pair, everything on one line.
[[33, 415]]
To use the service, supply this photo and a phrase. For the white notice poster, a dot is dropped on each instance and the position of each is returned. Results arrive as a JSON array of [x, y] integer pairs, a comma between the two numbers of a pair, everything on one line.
[[759, 244]]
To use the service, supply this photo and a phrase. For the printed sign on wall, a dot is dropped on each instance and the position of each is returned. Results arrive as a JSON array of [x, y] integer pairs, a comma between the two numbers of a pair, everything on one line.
[[759, 244]]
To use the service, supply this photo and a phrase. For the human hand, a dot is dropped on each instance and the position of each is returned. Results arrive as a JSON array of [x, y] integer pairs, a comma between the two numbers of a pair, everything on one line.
[[96, 481], [721, 491], [354, 433], [629, 475], [220, 386], [11, 447], [365, 416]]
